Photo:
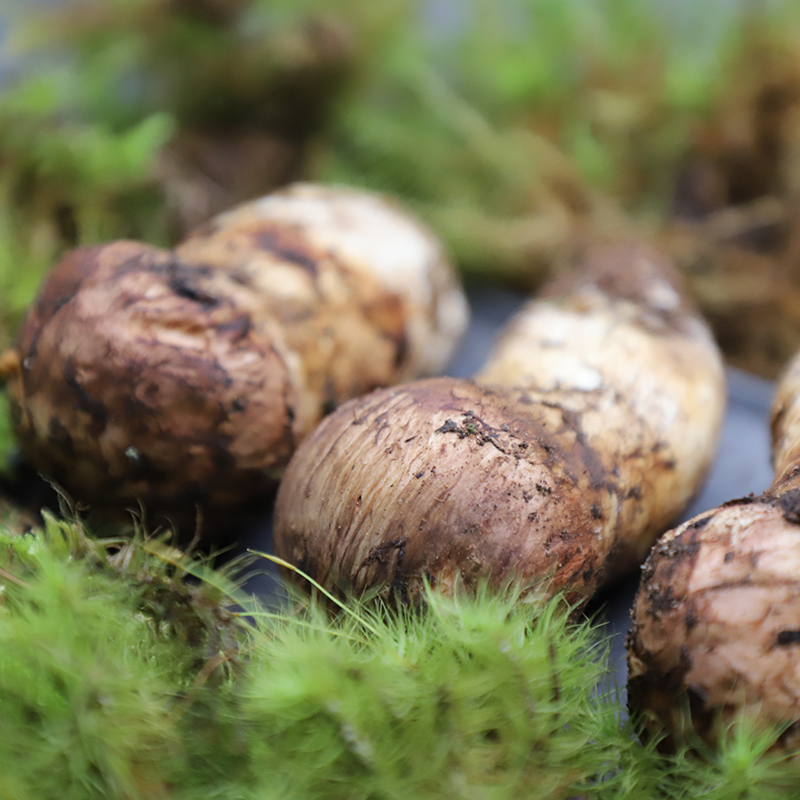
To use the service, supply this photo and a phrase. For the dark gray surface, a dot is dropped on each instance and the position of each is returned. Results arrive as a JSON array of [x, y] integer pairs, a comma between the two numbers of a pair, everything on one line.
[[741, 467]]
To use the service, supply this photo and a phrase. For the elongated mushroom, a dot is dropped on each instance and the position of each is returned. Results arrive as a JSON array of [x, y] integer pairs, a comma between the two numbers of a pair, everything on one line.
[[587, 432]]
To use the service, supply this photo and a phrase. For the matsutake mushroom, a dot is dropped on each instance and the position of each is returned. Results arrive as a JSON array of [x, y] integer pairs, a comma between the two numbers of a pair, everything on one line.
[[186, 378], [716, 624], [584, 436]]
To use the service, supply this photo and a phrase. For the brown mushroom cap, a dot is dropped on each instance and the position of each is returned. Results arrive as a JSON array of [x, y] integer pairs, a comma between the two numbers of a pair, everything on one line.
[[716, 624], [137, 379]]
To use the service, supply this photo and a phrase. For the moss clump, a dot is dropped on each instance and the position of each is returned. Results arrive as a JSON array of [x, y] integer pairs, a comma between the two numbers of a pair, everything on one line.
[[469, 698], [100, 640], [126, 671]]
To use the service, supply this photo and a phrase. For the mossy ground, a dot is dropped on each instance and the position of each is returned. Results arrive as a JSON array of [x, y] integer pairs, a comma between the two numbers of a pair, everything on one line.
[[128, 670]]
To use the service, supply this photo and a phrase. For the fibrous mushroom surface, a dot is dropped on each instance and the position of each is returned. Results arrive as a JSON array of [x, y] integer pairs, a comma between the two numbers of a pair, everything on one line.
[[587, 432]]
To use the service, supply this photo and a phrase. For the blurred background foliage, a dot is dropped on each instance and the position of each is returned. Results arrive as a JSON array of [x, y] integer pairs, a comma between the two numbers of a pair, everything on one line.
[[512, 126]]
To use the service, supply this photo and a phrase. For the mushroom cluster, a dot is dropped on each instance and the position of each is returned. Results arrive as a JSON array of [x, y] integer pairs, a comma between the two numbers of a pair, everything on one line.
[[186, 378]]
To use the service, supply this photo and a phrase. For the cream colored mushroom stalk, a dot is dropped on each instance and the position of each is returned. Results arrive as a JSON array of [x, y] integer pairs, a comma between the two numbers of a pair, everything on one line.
[[188, 377], [716, 625], [588, 431]]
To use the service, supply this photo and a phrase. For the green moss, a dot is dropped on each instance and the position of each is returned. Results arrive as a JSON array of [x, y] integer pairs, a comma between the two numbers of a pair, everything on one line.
[[120, 678], [85, 684]]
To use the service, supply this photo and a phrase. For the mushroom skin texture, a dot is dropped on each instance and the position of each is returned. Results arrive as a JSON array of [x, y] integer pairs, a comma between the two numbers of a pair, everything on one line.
[[588, 431], [716, 622], [187, 378], [362, 293]]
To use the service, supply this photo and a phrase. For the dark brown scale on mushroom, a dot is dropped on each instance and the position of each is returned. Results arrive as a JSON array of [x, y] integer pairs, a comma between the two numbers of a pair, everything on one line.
[[287, 245]]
